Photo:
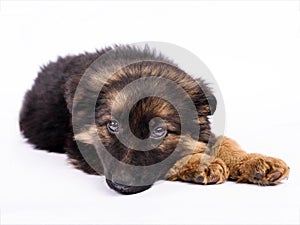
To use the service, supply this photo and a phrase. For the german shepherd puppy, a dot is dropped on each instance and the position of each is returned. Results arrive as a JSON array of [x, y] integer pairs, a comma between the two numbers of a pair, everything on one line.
[[133, 116]]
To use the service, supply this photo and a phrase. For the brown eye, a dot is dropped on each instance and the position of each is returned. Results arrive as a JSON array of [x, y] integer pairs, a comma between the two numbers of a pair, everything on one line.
[[113, 126], [159, 132]]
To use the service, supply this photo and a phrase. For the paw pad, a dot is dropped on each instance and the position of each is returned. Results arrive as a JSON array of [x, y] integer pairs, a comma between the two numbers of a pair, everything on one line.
[[258, 176]]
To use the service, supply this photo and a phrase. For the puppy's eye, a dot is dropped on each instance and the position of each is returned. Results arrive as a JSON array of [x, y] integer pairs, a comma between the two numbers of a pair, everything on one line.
[[113, 126], [159, 132]]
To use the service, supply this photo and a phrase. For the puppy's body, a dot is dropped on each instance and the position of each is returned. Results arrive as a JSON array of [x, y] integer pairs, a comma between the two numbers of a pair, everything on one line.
[[48, 111], [45, 118]]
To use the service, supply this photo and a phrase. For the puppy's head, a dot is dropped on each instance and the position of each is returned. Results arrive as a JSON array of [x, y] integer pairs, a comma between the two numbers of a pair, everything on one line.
[[144, 114]]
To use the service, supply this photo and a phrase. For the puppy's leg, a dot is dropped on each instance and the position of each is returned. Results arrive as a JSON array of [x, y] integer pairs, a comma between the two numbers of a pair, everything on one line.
[[250, 168], [199, 168]]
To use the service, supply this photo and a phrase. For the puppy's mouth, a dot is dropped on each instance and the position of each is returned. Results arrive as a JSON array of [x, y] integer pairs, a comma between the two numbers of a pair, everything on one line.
[[126, 190]]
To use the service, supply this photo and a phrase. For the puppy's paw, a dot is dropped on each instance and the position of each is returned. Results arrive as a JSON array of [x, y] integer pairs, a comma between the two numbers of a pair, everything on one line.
[[212, 171], [262, 170]]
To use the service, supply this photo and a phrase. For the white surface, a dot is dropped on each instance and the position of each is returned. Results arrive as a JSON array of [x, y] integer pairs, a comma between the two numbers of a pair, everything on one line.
[[252, 48]]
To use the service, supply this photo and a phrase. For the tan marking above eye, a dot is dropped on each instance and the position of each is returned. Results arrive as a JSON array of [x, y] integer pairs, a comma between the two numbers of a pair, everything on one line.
[[87, 136]]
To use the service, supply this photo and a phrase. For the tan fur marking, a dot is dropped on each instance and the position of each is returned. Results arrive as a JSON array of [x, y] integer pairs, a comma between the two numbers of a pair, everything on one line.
[[87, 136], [202, 120]]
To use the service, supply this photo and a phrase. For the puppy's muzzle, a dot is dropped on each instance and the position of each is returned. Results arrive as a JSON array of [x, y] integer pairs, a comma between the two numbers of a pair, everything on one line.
[[124, 189]]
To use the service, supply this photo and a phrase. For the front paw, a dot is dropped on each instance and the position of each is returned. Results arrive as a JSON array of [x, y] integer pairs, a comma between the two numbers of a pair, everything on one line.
[[215, 173], [262, 170], [207, 172]]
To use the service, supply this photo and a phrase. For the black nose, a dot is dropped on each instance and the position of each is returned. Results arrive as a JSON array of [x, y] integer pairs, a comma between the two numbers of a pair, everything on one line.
[[126, 190]]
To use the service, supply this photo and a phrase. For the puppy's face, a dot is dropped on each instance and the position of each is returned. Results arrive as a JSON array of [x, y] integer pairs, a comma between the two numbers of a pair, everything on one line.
[[139, 118], [144, 138]]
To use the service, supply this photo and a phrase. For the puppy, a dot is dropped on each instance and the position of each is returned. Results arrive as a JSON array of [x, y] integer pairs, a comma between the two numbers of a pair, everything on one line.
[[133, 116]]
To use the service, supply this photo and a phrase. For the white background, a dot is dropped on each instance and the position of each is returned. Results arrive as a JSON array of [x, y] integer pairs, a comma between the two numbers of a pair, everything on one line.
[[252, 49]]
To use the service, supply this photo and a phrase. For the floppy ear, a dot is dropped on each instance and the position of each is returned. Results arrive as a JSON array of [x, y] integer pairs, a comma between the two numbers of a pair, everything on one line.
[[206, 102], [212, 101]]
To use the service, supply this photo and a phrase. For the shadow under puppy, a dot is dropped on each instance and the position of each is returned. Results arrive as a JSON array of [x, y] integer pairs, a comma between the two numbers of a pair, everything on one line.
[[133, 116]]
